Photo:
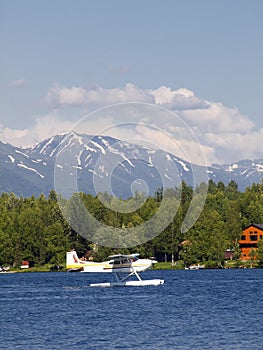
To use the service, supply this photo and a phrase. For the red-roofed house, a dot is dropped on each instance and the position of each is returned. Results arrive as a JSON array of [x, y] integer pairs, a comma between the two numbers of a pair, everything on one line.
[[249, 240]]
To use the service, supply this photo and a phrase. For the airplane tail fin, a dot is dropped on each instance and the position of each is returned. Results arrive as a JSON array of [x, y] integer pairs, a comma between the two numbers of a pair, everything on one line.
[[72, 261]]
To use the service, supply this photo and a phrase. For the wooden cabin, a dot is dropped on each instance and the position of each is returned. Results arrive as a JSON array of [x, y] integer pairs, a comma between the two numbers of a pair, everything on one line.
[[249, 240]]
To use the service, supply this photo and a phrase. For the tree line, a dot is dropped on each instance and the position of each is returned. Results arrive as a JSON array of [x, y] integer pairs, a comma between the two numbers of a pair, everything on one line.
[[34, 229]]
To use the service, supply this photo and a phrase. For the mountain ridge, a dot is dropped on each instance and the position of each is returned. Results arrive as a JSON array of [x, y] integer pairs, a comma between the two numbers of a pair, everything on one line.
[[107, 164]]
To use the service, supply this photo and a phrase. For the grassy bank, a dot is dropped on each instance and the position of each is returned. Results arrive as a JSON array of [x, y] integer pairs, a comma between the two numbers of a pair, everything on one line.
[[168, 266], [229, 264]]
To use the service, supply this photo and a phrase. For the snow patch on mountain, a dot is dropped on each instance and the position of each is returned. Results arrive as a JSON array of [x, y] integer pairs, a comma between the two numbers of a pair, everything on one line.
[[183, 165], [23, 154], [259, 167], [98, 146], [11, 158], [31, 169], [232, 167], [106, 143]]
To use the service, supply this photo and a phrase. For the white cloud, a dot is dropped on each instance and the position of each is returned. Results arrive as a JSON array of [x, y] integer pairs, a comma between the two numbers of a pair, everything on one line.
[[225, 134], [180, 99], [185, 147], [43, 128], [50, 125], [217, 118], [62, 96], [235, 146], [163, 95], [77, 96]]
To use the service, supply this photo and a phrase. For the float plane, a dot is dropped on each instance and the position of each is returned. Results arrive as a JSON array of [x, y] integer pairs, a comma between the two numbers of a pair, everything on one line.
[[123, 266]]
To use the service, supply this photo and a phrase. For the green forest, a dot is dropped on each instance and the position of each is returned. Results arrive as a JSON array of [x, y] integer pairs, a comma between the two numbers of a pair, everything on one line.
[[34, 229]]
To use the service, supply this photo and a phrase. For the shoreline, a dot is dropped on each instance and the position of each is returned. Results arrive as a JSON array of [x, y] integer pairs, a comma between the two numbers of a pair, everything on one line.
[[158, 266]]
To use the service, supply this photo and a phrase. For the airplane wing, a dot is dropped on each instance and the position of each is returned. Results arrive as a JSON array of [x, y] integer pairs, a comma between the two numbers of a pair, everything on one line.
[[126, 259], [124, 256]]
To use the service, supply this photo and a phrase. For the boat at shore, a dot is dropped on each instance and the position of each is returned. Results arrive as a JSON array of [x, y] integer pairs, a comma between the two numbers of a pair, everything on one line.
[[4, 269], [195, 267]]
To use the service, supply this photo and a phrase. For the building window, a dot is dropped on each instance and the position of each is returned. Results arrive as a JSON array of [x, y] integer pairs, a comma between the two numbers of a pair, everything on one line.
[[254, 238], [243, 238], [261, 236]]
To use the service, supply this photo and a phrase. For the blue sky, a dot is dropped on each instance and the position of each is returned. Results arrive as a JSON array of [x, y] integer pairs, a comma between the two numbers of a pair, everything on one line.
[[56, 55]]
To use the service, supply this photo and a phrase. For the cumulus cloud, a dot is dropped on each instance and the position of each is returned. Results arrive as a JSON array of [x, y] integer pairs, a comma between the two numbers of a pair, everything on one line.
[[44, 127], [180, 99], [62, 96], [164, 95], [218, 118], [224, 133], [77, 96], [233, 146], [49, 125], [186, 146]]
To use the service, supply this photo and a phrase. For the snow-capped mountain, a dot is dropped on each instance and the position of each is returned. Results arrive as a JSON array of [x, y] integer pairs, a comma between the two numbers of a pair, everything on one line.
[[72, 162]]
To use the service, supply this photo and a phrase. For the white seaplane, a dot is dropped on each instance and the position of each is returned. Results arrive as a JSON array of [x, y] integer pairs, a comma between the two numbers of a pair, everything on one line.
[[124, 267]]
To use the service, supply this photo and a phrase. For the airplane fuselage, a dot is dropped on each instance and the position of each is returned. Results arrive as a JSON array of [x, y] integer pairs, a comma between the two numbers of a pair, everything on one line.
[[139, 265]]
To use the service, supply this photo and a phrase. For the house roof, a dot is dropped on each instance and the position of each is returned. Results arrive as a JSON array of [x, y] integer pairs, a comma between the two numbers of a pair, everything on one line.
[[259, 226], [25, 262]]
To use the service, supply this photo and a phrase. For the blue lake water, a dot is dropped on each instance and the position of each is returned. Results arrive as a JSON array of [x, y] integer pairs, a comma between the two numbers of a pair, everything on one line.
[[205, 309]]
